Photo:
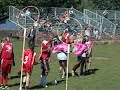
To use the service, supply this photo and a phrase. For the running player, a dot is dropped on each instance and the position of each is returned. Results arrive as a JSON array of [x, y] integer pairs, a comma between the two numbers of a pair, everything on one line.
[[80, 49], [61, 50], [7, 59]]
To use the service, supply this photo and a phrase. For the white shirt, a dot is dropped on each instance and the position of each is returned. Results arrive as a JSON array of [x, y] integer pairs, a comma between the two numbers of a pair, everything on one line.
[[87, 32]]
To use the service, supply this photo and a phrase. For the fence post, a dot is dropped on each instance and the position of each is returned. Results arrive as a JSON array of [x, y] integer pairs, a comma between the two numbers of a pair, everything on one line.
[[55, 12], [96, 16], [115, 17], [84, 15], [114, 31]]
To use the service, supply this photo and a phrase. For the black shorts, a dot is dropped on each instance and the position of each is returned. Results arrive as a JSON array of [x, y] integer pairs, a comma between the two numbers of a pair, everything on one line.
[[64, 62], [45, 64], [79, 58]]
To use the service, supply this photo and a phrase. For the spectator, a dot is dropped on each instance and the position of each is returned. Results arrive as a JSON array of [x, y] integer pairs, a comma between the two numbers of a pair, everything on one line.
[[96, 34], [87, 30]]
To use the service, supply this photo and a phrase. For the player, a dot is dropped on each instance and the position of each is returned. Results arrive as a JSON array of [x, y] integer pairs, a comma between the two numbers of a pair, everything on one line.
[[89, 44], [7, 59], [2, 43], [80, 49], [29, 60], [61, 50], [44, 57]]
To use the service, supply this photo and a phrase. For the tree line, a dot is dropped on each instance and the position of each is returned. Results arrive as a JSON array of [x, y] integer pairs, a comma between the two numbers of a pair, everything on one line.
[[78, 4]]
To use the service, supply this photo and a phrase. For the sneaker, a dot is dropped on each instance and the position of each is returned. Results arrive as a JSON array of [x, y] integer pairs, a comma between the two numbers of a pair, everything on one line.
[[6, 87], [63, 76], [1, 86], [73, 73], [23, 85], [44, 86]]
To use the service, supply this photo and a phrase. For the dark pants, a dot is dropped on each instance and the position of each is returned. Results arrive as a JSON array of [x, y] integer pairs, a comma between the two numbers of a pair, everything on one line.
[[44, 66], [31, 41], [82, 61]]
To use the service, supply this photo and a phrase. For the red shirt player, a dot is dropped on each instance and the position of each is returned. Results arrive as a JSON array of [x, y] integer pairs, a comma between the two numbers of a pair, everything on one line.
[[67, 37], [7, 59], [44, 57], [28, 61]]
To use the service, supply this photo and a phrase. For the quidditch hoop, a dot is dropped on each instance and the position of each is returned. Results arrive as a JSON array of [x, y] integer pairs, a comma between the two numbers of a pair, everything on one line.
[[59, 31], [22, 15]]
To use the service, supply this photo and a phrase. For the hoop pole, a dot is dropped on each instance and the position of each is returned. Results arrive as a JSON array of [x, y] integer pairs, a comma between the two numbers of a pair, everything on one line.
[[22, 58], [68, 55]]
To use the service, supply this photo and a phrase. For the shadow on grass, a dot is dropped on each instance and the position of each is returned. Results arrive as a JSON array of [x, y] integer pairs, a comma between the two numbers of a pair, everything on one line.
[[51, 83], [91, 71], [17, 76], [16, 84]]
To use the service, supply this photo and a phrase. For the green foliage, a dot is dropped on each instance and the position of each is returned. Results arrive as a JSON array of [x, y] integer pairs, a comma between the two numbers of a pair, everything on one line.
[[78, 4], [107, 4]]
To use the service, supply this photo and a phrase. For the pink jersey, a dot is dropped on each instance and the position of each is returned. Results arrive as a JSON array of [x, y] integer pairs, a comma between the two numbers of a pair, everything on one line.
[[59, 47], [7, 51], [79, 49]]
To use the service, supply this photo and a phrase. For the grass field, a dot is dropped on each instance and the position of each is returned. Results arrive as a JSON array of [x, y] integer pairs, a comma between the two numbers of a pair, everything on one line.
[[105, 64]]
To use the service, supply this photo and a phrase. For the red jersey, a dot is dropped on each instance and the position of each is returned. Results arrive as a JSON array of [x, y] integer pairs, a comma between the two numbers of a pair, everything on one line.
[[67, 37], [45, 54], [7, 51], [29, 59]]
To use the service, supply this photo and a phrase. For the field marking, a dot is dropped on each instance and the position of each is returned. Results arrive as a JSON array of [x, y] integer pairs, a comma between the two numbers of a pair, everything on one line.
[[100, 58]]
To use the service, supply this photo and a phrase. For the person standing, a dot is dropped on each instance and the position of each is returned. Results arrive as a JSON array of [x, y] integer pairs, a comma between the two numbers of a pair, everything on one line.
[[31, 36], [28, 61], [7, 59], [89, 44], [44, 57]]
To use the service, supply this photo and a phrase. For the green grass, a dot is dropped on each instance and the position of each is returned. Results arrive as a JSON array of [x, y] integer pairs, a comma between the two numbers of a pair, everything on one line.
[[106, 77]]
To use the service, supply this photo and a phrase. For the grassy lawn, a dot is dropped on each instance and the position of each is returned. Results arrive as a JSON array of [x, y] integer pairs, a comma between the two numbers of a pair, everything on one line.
[[106, 65]]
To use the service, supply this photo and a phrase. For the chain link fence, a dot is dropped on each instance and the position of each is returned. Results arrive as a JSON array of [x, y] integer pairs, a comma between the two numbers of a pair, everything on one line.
[[100, 22]]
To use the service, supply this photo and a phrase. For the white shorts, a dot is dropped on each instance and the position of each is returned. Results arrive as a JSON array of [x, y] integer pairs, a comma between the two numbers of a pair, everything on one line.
[[62, 56]]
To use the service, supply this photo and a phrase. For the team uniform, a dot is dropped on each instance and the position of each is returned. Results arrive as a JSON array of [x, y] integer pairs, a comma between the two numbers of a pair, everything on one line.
[[28, 61], [67, 38], [61, 50], [7, 57], [80, 49], [44, 57]]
